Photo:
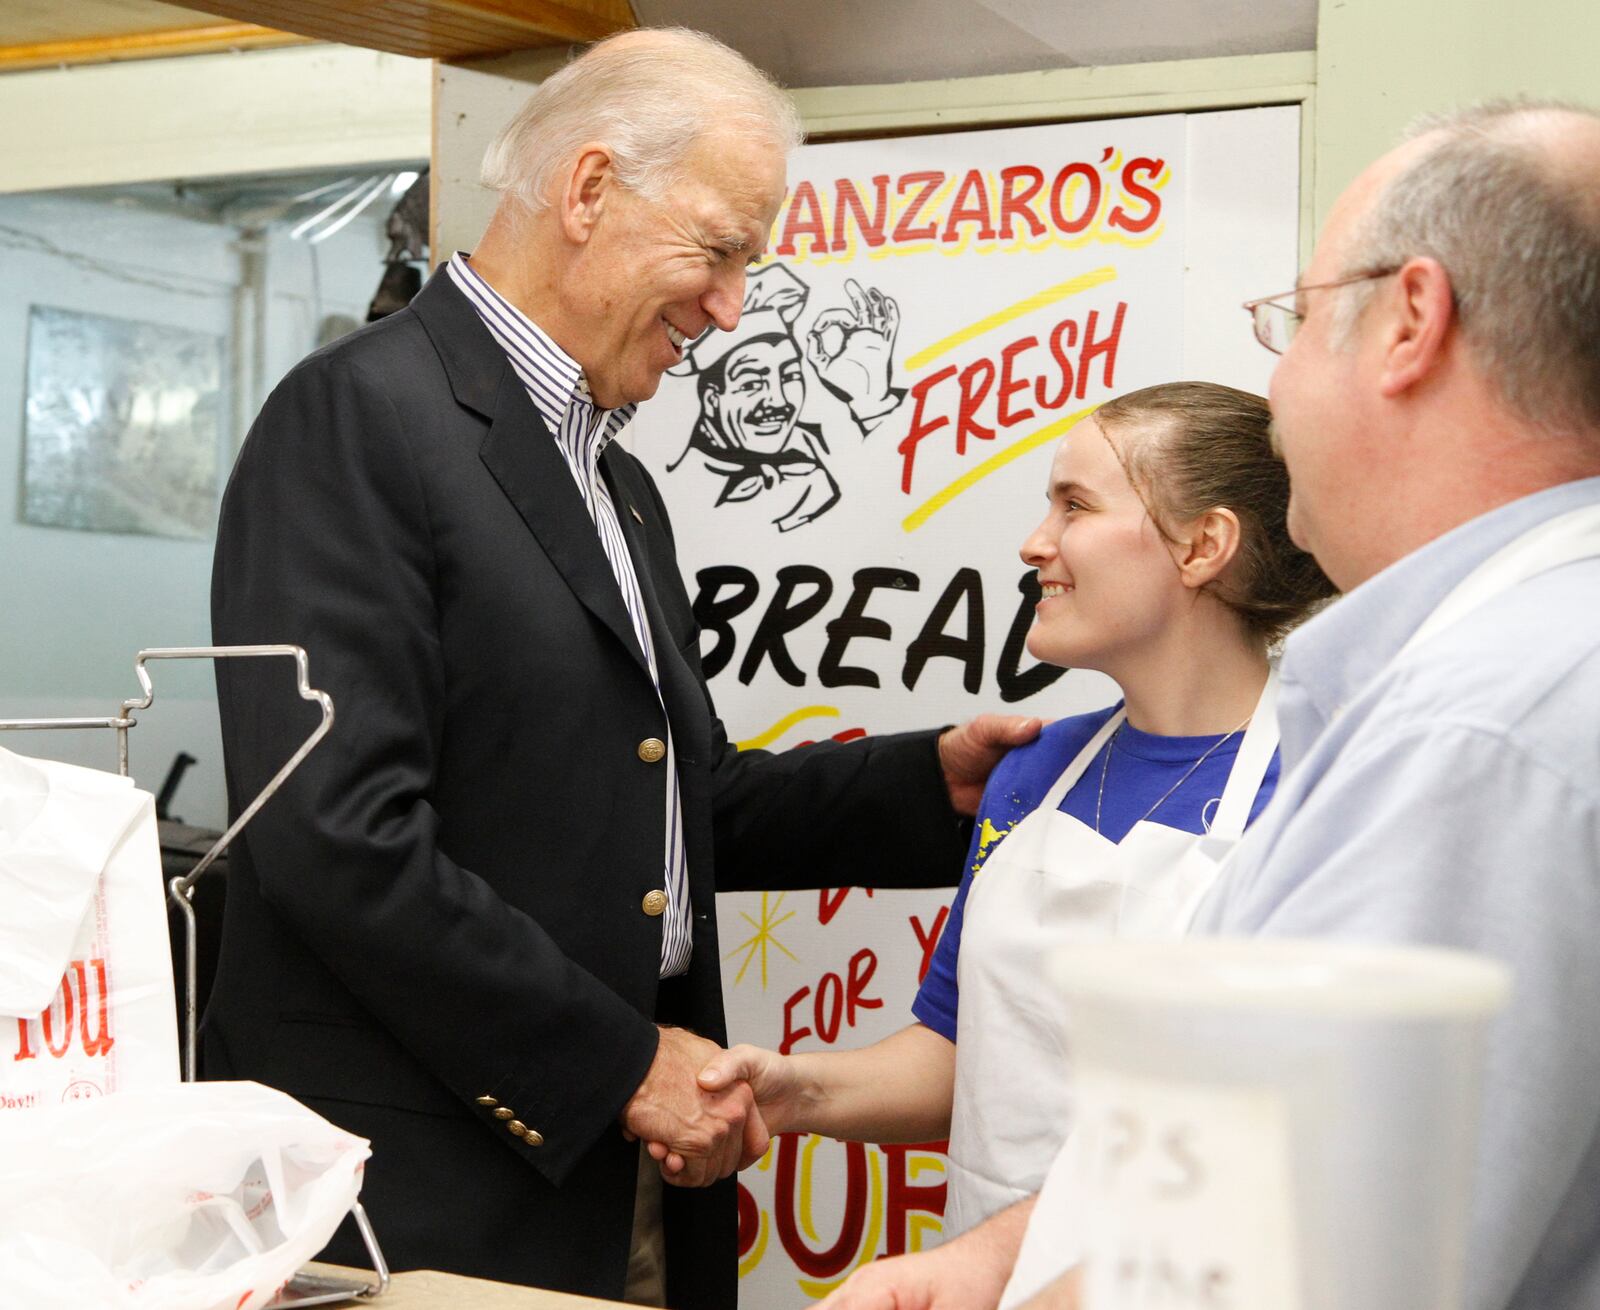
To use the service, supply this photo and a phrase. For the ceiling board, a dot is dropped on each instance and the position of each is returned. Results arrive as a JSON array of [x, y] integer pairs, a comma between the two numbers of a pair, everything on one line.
[[31, 22], [47, 33], [437, 28], [846, 43]]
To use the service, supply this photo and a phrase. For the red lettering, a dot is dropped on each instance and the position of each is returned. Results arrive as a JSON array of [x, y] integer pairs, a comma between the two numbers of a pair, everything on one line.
[[1009, 385], [1066, 330], [1015, 204], [805, 197], [903, 1196], [47, 1024], [828, 1016], [829, 899], [99, 1043], [24, 1051], [903, 230], [975, 211], [847, 203], [972, 394], [921, 427], [928, 940], [749, 1220], [852, 1224], [863, 964], [791, 1034], [1058, 190], [1120, 217], [1092, 349]]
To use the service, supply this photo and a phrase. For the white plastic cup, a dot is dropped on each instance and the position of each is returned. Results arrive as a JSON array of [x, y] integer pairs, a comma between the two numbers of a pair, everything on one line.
[[1273, 1124]]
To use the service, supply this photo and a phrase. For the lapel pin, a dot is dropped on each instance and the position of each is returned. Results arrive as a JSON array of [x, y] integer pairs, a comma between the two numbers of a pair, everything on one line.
[[637, 517]]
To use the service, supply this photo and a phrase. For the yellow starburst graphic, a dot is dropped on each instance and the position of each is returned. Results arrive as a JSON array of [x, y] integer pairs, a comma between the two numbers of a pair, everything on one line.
[[764, 936]]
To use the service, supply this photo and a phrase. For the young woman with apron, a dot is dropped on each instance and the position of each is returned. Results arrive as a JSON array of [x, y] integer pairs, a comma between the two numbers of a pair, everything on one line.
[[1163, 562]]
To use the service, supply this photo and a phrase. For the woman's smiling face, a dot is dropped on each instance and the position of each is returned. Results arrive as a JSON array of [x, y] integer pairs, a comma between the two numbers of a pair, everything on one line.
[[1111, 581]]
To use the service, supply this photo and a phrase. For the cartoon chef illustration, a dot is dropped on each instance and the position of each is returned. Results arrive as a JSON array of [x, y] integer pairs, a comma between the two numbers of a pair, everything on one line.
[[751, 383]]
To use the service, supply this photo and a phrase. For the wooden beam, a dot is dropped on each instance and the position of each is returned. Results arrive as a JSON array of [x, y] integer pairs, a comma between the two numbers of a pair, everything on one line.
[[437, 29], [208, 39]]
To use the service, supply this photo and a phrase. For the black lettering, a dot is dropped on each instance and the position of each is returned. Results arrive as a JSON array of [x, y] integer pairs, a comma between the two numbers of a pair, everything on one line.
[[934, 642], [713, 614], [782, 618], [1015, 684], [853, 623]]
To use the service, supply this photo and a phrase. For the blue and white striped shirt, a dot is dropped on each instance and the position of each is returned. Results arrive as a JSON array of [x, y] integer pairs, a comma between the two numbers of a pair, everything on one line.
[[560, 392]]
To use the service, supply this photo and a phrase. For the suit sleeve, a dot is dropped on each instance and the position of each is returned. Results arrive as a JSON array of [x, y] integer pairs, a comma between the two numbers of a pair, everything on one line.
[[325, 541]]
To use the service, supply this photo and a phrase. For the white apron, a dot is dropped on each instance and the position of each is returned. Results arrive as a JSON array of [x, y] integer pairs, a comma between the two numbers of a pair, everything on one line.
[[1053, 881], [1051, 1245]]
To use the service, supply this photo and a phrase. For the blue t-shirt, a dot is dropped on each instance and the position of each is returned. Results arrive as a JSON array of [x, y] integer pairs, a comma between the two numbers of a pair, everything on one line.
[[1139, 769]]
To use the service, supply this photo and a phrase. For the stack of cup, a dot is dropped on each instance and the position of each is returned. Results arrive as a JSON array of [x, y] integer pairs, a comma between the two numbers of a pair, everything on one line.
[[1275, 1125]]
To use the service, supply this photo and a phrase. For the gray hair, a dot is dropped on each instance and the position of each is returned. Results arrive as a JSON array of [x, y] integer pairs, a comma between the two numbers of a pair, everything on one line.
[[1519, 236], [649, 97]]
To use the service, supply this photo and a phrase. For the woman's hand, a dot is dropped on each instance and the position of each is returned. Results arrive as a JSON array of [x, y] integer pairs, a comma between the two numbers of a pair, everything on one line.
[[774, 1080]]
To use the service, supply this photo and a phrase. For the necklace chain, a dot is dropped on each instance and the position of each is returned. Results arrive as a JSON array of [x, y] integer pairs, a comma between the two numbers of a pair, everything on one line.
[[1105, 767]]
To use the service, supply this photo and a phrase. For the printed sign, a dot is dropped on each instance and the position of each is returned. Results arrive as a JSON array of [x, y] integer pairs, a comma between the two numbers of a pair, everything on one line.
[[1192, 1203], [851, 473]]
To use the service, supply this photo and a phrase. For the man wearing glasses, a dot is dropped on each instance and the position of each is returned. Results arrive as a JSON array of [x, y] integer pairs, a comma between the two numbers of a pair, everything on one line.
[[1438, 407]]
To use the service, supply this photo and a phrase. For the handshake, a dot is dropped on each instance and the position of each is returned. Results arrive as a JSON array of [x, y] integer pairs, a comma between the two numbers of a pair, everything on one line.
[[704, 1112]]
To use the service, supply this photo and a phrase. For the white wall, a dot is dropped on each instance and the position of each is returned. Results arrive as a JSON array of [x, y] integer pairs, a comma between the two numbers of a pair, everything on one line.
[[75, 606]]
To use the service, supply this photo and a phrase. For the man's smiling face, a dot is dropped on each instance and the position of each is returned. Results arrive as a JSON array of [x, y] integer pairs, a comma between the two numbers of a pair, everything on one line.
[[659, 272]]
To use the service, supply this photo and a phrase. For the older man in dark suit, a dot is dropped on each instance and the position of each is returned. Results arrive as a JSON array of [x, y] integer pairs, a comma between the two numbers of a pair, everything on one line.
[[478, 925]]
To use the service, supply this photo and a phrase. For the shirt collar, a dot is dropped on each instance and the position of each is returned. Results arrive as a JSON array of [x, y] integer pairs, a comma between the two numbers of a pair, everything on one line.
[[555, 381], [1340, 651]]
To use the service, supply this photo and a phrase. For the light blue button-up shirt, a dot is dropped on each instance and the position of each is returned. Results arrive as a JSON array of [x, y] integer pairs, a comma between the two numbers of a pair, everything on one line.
[[1450, 795]]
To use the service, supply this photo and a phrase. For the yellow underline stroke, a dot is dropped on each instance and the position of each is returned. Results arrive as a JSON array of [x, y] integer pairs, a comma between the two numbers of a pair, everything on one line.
[[784, 724], [996, 461], [1049, 296], [763, 1232]]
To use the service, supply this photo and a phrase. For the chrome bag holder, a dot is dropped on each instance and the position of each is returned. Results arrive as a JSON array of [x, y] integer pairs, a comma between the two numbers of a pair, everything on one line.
[[304, 1289]]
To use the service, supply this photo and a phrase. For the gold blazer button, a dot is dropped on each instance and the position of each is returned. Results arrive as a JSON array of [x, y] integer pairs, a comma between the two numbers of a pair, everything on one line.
[[533, 1137], [505, 1112], [652, 750], [517, 1128], [654, 903]]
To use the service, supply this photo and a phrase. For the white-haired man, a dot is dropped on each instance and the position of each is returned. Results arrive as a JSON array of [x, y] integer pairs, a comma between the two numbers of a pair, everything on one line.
[[1439, 412], [469, 925]]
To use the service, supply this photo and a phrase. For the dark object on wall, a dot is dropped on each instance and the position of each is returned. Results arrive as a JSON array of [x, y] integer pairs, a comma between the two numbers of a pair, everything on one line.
[[169, 785], [407, 230], [183, 847], [400, 283]]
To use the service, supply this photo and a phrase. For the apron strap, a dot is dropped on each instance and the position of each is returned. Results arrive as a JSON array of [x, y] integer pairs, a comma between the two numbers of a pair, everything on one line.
[[1564, 539], [1249, 766], [1057, 793]]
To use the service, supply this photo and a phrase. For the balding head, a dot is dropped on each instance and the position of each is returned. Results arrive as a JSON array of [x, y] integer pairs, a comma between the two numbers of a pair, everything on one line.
[[1504, 197], [647, 96]]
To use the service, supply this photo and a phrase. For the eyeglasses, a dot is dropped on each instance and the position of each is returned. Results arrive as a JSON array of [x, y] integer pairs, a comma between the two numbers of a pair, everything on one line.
[[1276, 319]]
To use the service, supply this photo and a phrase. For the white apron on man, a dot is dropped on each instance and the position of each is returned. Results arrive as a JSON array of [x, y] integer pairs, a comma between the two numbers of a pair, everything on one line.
[[1054, 880]]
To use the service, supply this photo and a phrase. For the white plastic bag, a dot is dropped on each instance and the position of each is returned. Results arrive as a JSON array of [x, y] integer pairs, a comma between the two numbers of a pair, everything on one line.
[[86, 996], [199, 1196]]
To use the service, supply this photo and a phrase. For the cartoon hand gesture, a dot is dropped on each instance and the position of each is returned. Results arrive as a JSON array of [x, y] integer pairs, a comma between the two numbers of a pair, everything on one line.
[[852, 351]]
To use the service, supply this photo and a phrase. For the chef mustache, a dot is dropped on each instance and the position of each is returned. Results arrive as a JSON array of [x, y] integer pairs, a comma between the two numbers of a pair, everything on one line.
[[769, 412]]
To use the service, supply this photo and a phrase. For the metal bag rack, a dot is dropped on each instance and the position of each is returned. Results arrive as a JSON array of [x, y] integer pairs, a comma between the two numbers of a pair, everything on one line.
[[304, 1289]]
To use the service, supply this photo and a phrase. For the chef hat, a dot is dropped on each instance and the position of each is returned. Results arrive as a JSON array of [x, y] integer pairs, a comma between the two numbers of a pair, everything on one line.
[[773, 300]]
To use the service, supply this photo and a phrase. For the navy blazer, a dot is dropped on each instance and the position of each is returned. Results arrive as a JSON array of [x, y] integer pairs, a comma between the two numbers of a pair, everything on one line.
[[434, 934]]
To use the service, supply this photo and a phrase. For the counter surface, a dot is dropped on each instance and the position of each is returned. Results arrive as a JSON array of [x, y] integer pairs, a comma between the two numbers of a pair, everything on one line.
[[425, 1289]]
